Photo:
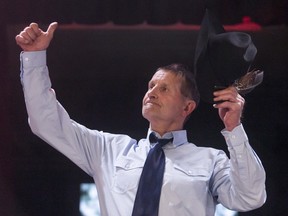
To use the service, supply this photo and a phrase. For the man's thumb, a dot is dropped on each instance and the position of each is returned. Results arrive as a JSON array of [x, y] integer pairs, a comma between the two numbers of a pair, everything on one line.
[[52, 27]]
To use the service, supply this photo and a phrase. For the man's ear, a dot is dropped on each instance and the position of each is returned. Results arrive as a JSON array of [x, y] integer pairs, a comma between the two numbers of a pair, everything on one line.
[[189, 107]]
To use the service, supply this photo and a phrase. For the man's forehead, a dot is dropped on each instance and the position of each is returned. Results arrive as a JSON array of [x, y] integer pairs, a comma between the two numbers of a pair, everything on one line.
[[163, 74]]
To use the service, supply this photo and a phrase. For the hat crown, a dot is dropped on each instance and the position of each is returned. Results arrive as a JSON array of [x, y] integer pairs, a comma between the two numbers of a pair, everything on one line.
[[230, 55]]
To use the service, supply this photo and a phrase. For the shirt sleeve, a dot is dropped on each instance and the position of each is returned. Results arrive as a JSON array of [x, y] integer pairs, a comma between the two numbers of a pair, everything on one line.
[[243, 187], [50, 121]]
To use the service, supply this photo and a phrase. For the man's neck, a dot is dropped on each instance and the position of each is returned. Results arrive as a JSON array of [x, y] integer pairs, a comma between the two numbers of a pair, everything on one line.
[[163, 129]]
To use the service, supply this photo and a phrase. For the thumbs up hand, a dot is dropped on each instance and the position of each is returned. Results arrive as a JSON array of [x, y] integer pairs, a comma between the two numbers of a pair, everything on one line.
[[32, 38]]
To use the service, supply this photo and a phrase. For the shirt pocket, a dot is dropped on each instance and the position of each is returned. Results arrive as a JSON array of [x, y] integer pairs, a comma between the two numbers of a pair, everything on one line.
[[127, 175], [192, 173]]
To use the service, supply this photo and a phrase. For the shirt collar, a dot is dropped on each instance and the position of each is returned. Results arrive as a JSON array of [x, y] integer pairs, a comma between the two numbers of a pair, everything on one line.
[[179, 137]]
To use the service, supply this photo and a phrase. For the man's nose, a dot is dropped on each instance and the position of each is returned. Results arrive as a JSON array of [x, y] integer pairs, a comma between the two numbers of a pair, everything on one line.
[[152, 93]]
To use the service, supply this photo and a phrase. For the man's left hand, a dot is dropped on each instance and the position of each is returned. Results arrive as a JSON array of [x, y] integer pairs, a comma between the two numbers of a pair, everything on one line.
[[230, 105]]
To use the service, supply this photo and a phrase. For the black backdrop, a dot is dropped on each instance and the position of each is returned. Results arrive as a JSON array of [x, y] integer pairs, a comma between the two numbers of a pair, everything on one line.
[[100, 76], [163, 12]]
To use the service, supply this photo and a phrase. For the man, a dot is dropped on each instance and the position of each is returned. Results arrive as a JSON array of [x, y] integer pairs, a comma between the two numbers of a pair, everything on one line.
[[195, 178]]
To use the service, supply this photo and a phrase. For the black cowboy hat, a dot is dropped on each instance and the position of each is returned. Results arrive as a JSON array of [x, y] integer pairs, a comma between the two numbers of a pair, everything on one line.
[[223, 59]]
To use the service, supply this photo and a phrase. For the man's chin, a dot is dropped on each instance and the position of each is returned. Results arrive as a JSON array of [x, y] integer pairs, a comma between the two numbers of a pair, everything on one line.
[[147, 113]]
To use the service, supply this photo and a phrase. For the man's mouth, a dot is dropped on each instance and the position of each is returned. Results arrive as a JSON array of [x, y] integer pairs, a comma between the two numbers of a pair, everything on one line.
[[151, 103]]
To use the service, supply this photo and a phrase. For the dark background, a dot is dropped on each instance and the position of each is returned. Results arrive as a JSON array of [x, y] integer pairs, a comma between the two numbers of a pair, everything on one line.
[[100, 61]]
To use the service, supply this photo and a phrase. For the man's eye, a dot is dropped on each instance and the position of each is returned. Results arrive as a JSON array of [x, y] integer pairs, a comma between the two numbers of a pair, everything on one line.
[[163, 89]]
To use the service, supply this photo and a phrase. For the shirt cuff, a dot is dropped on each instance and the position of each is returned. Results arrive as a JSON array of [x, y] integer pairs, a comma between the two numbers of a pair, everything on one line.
[[33, 59], [235, 137]]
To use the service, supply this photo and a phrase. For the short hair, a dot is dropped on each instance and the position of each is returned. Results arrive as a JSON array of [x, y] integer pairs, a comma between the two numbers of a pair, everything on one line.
[[188, 86]]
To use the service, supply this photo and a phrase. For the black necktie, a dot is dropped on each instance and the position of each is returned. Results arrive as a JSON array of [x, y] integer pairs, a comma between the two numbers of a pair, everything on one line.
[[149, 189]]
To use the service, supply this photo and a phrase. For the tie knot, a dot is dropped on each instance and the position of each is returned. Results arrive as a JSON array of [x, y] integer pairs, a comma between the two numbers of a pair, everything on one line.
[[154, 139]]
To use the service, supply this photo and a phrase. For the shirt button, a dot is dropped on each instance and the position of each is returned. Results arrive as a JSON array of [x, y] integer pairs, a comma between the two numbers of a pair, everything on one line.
[[233, 137], [127, 166], [26, 59], [189, 172]]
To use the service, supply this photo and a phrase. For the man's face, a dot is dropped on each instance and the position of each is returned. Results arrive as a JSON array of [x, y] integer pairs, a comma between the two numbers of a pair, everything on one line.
[[163, 101]]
